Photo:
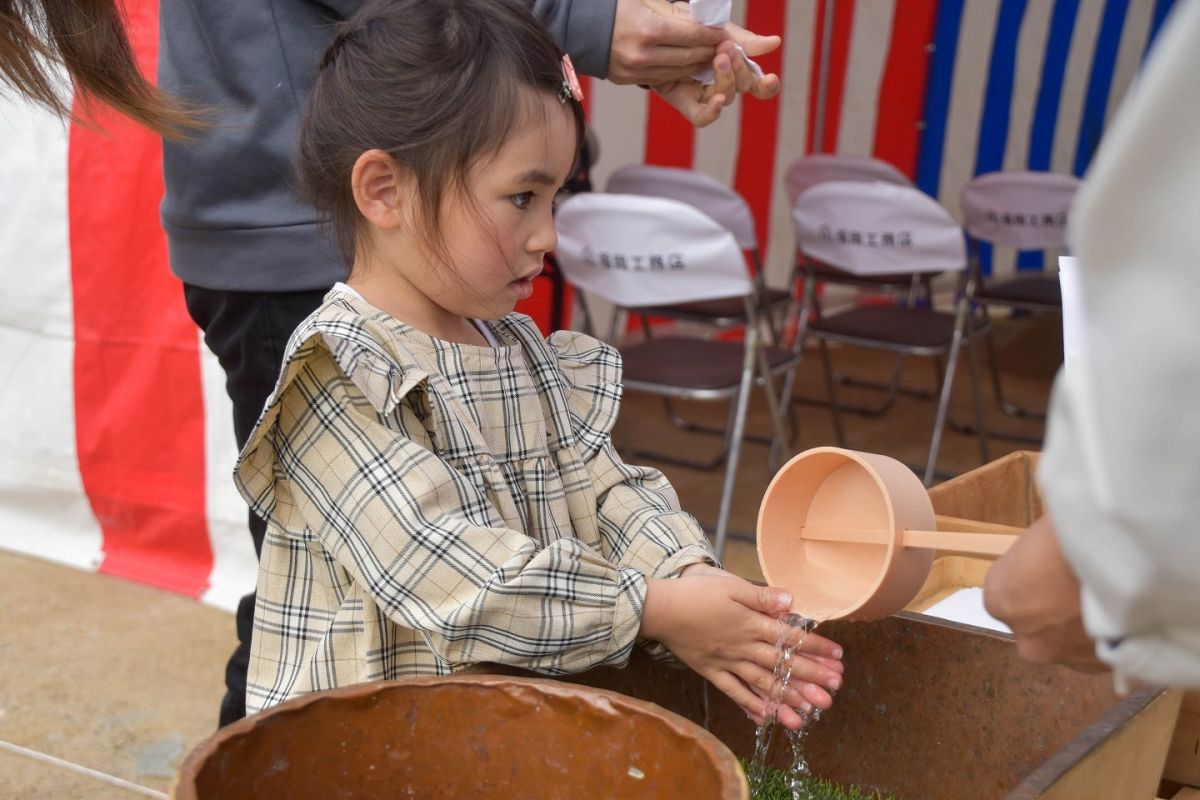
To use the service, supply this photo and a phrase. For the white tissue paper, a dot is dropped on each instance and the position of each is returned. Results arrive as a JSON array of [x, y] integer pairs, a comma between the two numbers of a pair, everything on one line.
[[1074, 336], [715, 13], [966, 606]]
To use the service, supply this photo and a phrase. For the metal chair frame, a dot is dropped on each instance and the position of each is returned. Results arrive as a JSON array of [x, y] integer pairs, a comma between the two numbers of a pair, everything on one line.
[[729, 209], [1046, 190], [959, 333], [580, 221], [811, 170]]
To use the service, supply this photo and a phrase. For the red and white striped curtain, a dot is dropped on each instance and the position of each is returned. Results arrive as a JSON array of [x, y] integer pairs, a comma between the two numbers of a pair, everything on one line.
[[116, 445]]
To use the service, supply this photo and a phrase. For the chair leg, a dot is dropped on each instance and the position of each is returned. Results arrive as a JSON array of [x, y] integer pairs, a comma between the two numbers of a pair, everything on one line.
[[993, 363], [892, 388], [977, 399], [1010, 409], [979, 428], [830, 385], [712, 463], [943, 409], [741, 403], [797, 346], [773, 408]]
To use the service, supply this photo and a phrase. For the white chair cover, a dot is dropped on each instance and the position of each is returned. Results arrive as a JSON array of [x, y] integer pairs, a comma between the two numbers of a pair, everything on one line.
[[877, 229], [694, 188], [1023, 210], [643, 251], [809, 171]]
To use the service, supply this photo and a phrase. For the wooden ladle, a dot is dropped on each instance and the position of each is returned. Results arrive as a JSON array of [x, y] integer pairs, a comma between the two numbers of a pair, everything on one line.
[[852, 535]]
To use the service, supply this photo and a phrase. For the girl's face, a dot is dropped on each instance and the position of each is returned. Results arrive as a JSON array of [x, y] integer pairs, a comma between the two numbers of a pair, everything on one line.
[[495, 234]]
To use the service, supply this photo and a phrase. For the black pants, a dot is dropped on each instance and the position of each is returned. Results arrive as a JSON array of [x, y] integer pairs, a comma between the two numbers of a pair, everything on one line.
[[248, 332]]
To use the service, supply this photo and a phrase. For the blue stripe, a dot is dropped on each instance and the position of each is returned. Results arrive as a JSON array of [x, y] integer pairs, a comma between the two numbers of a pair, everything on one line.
[[937, 95], [1054, 68], [997, 101], [1045, 111], [997, 98], [1104, 62], [1161, 9]]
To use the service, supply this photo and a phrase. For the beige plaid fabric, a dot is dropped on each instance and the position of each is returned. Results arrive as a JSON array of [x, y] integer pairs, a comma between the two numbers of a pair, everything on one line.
[[432, 506]]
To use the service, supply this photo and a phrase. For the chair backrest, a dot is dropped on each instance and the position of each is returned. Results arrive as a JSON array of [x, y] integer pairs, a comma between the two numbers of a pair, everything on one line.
[[641, 251], [808, 171], [694, 188], [877, 228], [1022, 210]]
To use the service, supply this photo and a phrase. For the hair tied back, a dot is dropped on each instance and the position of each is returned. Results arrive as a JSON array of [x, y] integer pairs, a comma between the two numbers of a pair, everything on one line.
[[335, 47]]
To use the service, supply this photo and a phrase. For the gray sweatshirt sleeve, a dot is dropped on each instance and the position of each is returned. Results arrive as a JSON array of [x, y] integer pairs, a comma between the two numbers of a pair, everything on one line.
[[584, 28]]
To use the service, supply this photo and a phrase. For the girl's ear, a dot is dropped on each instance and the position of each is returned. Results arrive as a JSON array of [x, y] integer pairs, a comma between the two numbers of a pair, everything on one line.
[[381, 189]]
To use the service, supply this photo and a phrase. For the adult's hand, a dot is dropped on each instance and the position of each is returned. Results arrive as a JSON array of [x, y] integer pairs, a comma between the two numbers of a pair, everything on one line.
[[1034, 591], [655, 41], [702, 105]]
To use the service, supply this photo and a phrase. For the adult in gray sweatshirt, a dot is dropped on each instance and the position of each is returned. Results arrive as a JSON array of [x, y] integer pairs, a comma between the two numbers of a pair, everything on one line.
[[252, 255]]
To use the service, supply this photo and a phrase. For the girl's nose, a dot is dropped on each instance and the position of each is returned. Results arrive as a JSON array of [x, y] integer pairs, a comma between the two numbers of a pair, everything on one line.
[[544, 237]]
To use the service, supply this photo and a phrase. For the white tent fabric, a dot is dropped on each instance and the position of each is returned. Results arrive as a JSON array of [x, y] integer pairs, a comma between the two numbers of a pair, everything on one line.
[[115, 441]]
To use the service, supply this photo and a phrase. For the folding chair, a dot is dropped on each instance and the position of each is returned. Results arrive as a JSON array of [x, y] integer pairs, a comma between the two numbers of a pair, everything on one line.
[[808, 171], [1022, 211], [877, 229], [812, 170], [633, 251], [727, 208]]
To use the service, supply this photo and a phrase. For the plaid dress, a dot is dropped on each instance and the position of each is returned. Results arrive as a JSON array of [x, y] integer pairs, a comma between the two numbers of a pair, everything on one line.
[[432, 506]]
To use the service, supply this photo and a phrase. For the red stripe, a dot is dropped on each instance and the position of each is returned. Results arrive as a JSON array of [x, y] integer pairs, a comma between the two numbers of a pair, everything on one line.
[[138, 407], [839, 52], [670, 138], [759, 128], [902, 90]]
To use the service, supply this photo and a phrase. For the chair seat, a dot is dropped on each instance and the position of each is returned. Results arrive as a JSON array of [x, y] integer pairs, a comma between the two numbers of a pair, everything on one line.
[[1037, 290], [901, 327], [676, 361], [826, 272], [723, 308]]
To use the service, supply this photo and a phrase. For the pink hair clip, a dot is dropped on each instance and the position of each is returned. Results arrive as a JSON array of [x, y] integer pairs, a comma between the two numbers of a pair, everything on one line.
[[570, 85]]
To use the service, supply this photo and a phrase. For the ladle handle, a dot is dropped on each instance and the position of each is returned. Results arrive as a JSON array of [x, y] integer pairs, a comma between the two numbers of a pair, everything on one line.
[[968, 544], [974, 544]]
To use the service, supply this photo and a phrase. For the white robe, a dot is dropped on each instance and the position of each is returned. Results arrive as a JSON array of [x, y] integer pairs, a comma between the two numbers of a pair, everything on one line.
[[1121, 469]]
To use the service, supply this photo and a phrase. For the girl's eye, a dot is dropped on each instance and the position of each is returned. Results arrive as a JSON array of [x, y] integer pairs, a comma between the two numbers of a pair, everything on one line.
[[521, 200]]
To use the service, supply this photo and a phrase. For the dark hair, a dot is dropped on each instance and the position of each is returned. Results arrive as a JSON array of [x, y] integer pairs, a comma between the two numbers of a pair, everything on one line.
[[436, 85], [88, 38]]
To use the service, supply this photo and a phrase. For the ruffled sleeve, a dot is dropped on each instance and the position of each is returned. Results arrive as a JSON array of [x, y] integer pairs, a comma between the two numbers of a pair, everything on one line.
[[421, 539], [591, 371], [640, 519], [336, 330]]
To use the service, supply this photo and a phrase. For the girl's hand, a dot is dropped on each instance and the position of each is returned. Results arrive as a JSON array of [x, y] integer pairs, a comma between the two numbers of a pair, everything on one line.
[[726, 628]]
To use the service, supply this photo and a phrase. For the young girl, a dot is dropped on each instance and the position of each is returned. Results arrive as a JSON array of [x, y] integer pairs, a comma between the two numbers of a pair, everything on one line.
[[439, 481]]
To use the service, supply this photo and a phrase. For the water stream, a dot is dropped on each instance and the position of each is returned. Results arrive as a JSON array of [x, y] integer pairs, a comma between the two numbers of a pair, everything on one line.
[[787, 644]]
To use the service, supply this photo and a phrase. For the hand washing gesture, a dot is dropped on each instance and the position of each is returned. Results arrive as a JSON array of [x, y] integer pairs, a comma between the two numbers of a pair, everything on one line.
[[726, 629]]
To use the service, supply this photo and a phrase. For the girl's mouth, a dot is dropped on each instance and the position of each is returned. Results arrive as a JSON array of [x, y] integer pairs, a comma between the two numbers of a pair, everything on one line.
[[523, 288]]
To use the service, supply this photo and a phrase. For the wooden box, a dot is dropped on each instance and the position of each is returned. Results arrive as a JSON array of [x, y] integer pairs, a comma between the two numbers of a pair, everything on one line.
[[933, 709], [1003, 495]]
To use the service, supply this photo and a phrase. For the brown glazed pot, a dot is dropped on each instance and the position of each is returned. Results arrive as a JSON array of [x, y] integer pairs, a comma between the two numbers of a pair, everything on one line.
[[468, 736], [833, 488]]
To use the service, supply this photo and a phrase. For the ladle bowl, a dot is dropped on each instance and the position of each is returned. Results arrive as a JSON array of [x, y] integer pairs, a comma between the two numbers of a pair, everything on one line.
[[852, 535]]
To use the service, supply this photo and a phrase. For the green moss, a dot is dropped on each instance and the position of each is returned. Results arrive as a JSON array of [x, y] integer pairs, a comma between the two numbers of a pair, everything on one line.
[[775, 787]]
